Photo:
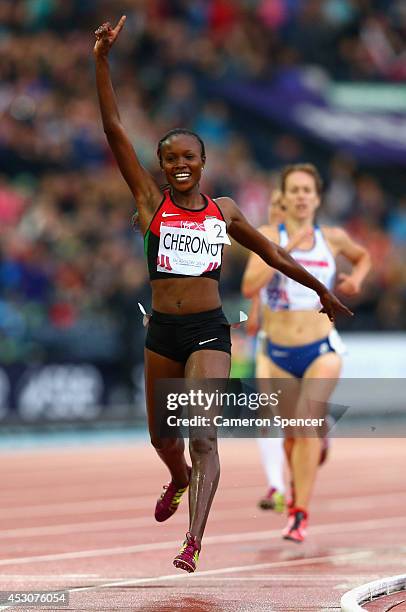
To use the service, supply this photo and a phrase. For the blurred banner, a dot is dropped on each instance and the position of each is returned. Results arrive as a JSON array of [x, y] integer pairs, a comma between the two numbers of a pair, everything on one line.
[[366, 121], [84, 392], [68, 393]]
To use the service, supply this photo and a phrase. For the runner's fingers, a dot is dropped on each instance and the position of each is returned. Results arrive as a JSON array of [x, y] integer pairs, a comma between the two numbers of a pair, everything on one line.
[[344, 309], [120, 24]]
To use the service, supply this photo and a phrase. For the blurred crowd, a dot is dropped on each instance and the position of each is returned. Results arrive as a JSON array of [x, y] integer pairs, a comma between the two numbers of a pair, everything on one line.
[[71, 264]]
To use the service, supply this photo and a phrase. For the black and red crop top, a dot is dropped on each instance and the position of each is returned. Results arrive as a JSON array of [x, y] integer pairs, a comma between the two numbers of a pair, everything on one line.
[[177, 243]]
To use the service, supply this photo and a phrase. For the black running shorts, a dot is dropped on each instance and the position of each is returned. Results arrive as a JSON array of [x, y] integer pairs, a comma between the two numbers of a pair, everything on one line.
[[178, 336]]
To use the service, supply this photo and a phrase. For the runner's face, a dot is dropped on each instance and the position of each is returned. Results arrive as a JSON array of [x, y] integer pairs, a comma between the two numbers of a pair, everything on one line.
[[182, 161], [300, 196]]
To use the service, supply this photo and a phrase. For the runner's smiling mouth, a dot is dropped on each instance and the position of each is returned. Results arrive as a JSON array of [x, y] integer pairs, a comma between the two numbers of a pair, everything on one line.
[[182, 176]]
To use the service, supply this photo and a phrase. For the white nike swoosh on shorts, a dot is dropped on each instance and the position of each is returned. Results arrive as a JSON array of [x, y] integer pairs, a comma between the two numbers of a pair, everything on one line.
[[205, 341], [165, 214]]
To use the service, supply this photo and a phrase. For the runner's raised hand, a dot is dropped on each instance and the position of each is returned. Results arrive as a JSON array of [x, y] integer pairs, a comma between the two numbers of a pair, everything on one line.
[[106, 36]]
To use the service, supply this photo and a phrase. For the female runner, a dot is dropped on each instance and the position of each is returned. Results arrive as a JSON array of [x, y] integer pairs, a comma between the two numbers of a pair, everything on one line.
[[300, 344], [271, 448], [188, 335]]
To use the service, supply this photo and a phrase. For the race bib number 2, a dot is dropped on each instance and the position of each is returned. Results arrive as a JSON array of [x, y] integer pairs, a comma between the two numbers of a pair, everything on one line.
[[216, 231]]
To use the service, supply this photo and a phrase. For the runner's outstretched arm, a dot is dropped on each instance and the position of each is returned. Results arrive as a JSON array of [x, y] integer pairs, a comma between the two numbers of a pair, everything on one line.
[[277, 257]]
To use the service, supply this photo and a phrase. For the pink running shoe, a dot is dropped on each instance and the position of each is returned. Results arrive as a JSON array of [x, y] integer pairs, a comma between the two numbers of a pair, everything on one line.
[[296, 527], [169, 501], [188, 555]]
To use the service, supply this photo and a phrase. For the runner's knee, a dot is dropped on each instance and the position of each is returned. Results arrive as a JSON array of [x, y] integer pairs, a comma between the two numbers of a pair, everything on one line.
[[203, 446]]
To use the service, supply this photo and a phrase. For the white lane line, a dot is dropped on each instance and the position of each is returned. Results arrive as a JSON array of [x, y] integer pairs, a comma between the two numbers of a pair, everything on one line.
[[93, 526], [25, 487], [92, 506], [259, 577], [233, 569], [97, 506], [47, 576], [287, 578], [110, 525], [225, 570], [250, 536], [144, 521]]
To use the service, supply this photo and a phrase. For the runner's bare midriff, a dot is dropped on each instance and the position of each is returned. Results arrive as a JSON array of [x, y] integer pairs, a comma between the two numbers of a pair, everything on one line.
[[185, 295], [293, 328]]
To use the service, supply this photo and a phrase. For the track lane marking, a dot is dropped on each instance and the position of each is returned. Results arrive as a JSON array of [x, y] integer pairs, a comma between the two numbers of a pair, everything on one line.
[[362, 503], [276, 577], [139, 503], [250, 536], [223, 570]]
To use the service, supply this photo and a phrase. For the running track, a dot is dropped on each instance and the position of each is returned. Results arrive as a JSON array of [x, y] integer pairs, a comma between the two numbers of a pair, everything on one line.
[[82, 519]]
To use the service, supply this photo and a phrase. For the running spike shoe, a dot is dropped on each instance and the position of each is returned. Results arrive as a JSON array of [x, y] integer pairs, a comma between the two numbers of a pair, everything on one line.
[[188, 555], [296, 527], [273, 500], [169, 501]]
